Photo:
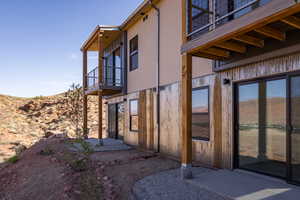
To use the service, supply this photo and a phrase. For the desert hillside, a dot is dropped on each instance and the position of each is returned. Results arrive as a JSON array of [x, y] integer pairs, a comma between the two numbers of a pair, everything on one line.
[[24, 121]]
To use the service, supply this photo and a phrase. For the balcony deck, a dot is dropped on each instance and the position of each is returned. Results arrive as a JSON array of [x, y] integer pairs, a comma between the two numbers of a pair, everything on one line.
[[109, 86], [249, 30]]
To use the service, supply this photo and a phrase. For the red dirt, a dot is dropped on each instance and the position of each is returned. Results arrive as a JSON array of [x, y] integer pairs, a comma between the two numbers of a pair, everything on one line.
[[106, 175]]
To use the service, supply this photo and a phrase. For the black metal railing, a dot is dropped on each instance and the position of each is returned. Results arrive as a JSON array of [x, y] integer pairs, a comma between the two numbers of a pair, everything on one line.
[[206, 15], [112, 77], [92, 79]]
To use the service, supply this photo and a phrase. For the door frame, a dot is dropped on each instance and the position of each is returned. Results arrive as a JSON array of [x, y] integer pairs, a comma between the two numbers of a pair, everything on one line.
[[116, 120], [235, 96]]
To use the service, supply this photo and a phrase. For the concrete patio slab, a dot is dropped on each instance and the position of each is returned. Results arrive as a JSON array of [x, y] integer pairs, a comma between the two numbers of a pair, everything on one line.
[[243, 185], [169, 185], [210, 184]]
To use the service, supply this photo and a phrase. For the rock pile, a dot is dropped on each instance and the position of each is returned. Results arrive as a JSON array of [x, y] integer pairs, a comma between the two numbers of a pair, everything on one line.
[[24, 121]]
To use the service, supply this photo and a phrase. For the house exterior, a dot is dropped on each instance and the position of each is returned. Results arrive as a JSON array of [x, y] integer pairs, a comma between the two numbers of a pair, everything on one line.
[[210, 82]]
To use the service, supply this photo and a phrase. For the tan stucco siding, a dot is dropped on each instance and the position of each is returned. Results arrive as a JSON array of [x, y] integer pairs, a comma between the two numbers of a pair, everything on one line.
[[144, 76], [170, 57]]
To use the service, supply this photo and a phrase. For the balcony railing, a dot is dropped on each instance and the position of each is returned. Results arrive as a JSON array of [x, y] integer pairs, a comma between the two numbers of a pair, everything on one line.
[[204, 17], [112, 78], [92, 79]]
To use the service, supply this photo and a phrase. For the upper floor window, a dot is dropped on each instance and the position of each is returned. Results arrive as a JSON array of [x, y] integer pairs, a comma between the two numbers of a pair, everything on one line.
[[200, 114], [198, 14], [113, 68], [134, 53]]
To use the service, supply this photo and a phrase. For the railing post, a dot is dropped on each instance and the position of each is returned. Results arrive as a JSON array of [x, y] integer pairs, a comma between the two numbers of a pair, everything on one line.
[[214, 10]]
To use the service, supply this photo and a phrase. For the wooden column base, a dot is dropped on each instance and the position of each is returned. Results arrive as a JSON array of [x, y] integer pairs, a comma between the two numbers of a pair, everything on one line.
[[186, 171]]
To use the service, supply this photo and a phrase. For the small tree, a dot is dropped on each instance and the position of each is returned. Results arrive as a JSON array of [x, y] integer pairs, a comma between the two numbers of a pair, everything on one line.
[[74, 102]]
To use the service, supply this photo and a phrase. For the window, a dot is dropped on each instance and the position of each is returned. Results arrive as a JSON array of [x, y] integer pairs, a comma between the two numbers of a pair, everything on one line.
[[198, 14], [134, 117], [200, 113], [134, 53], [113, 70]]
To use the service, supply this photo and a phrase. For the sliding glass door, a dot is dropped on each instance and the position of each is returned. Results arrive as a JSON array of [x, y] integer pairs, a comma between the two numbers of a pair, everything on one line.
[[262, 126], [267, 126], [295, 127]]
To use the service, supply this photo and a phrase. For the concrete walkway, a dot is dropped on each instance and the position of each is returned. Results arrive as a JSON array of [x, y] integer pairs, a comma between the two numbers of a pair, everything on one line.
[[108, 145], [214, 185]]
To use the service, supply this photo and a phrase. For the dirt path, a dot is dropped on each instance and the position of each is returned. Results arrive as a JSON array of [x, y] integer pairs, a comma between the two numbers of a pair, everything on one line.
[[49, 171]]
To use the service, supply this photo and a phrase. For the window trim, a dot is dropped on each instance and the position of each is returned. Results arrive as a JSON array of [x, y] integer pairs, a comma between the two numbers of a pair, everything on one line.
[[135, 52], [130, 115], [208, 112]]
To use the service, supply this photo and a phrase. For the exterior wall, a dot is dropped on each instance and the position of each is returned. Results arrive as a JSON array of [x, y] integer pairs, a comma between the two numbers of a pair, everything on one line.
[[204, 152], [265, 68], [170, 57]]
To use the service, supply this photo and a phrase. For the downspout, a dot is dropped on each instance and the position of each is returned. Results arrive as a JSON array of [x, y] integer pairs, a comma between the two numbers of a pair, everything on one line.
[[157, 75]]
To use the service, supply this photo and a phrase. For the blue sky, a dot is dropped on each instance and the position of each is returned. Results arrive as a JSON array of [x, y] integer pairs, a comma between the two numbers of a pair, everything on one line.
[[40, 41]]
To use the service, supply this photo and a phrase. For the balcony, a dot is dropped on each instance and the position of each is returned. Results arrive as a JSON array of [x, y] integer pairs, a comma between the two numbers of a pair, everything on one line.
[[224, 30], [111, 83], [206, 15]]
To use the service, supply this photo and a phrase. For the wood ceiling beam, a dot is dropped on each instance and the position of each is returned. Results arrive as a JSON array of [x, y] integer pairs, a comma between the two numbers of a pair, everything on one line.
[[217, 52], [292, 21], [208, 56], [232, 46], [271, 32], [250, 40]]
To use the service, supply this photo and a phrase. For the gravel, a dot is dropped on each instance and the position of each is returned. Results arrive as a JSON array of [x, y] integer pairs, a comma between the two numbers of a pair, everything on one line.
[[168, 185], [108, 145]]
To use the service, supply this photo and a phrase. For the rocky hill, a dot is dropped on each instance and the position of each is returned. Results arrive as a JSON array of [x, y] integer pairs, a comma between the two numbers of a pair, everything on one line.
[[24, 121]]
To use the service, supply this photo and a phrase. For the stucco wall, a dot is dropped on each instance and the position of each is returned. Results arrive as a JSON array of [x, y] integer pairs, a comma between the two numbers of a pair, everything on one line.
[[145, 76]]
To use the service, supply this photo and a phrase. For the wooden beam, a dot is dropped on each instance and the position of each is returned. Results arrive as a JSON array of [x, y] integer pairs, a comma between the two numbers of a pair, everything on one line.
[[271, 32], [232, 46], [250, 40], [216, 52], [100, 115], [271, 12], [84, 87], [292, 21], [186, 110], [208, 56]]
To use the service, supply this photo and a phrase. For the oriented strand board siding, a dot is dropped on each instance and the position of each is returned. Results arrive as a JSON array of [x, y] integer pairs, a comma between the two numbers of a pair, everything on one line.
[[204, 152], [150, 119], [142, 112], [260, 69], [169, 120], [209, 152]]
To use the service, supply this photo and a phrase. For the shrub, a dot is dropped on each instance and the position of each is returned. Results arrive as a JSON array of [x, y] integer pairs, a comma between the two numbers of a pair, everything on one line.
[[13, 159]]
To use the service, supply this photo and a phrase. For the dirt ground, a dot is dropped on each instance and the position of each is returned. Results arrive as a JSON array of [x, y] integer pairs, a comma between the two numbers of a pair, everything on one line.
[[50, 171]]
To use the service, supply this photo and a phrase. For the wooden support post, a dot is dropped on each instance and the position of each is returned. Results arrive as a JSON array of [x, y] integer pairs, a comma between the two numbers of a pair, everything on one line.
[[186, 115], [100, 103], [100, 81], [186, 102], [85, 100]]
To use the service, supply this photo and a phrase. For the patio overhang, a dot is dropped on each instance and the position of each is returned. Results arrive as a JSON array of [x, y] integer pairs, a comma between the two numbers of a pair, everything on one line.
[[272, 20], [107, 33]]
